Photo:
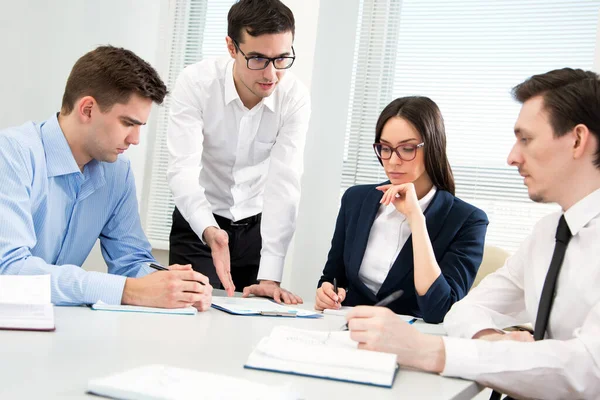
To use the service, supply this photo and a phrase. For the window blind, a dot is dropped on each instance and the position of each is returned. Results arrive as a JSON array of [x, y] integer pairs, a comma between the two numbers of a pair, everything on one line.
[[466, 56], [198, 31]]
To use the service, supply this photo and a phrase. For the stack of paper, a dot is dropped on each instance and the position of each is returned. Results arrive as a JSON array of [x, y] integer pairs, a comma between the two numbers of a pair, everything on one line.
[[331, 355], [25, 303], [163, 382], [259, 306]]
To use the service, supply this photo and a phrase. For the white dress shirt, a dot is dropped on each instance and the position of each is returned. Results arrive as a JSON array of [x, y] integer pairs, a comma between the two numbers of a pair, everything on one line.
[[235, 162], [389, 233], [566, 365]]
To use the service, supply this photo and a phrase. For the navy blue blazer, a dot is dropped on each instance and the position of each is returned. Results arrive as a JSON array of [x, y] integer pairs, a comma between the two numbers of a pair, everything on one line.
[[457, 232]]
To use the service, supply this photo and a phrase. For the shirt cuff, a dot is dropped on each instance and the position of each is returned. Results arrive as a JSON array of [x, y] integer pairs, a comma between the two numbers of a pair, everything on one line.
[[105, 287], [144, 270], [462, 357], [271, 268], [200, 220]]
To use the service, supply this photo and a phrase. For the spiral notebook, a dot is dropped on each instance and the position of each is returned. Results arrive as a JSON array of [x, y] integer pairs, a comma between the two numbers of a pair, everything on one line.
[[322, 354]]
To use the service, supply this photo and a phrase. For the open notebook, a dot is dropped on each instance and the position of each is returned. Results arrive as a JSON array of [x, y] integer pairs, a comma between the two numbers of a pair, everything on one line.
[[158, 382], [322, 354], [25, 303], [259, 306]]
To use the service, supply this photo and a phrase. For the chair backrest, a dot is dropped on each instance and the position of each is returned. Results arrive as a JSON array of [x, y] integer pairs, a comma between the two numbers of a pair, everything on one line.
[[493, 258]]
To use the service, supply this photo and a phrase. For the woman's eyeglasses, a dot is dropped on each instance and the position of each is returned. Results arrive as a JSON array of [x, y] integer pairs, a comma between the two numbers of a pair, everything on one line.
[[406, 151]]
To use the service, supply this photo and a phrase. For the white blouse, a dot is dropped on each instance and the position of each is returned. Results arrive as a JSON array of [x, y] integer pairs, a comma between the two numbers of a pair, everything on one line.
[[389, 233]]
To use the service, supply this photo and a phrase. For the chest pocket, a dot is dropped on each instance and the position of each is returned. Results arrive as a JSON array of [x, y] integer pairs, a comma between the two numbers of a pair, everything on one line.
[[264, 140], [261, 151]]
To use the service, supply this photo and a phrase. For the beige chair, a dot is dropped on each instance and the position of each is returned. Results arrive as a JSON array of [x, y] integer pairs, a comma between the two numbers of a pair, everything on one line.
[[493, 258]]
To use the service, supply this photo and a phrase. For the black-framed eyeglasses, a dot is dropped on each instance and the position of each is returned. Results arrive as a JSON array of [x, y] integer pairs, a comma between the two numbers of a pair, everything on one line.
[[406, 151], [259, 62]]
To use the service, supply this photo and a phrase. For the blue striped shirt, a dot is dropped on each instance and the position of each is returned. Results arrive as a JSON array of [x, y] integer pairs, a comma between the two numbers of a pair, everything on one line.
[[51, 215]]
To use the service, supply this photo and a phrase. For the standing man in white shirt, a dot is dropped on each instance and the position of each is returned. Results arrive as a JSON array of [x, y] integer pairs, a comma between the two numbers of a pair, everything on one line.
[[557, 152], [236, 141]]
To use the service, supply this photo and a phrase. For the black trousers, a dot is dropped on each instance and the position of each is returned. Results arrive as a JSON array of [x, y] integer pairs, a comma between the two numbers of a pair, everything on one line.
[[245, 243]]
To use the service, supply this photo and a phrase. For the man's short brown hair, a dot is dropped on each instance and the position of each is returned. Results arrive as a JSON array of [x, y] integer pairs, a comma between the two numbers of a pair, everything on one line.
[[111, 75], [571, 97]]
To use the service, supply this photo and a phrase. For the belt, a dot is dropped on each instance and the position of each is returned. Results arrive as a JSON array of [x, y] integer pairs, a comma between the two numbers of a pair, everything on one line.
[[242, 222]]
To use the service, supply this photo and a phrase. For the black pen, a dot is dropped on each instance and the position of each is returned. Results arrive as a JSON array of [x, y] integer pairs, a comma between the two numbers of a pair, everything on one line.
[[157, 267], [386, 301], [335, 289], [161, 268]]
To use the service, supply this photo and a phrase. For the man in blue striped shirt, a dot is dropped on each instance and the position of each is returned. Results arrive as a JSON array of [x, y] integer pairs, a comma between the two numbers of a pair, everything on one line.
[[65, 185]]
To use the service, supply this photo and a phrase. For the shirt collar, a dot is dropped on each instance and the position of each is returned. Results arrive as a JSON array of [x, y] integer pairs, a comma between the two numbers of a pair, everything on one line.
[[231, 93], [583, 212], [59, 158], [426, 200]]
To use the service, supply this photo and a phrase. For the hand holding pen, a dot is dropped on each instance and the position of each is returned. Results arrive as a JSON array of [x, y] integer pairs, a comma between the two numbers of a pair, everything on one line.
[[174, 287], [379, 329], [329, 296], [384, 302]]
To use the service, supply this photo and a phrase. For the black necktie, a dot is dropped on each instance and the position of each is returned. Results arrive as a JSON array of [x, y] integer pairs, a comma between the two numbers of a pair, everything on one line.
[[563, 236]]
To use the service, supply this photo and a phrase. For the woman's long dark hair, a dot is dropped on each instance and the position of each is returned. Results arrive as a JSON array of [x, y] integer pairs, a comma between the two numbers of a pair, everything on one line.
[[427, 119]]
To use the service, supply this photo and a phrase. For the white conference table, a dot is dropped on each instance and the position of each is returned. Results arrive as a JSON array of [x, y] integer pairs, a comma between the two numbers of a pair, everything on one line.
[[90, 344]]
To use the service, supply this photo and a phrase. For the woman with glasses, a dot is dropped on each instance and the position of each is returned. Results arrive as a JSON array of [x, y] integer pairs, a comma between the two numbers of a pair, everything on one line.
[[410, 233]]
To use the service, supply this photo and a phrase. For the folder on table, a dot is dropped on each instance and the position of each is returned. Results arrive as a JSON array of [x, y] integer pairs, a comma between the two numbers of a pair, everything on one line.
[[25, 303], [259, 306], [322, 354]]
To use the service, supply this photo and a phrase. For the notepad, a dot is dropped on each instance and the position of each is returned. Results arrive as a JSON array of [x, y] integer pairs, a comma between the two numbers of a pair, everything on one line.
[[25, 303], [102, 306], [259, 306], [158, 382], [322, 354]]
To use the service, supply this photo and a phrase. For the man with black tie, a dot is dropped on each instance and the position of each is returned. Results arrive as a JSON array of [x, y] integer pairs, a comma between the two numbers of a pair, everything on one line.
[[551, 281]]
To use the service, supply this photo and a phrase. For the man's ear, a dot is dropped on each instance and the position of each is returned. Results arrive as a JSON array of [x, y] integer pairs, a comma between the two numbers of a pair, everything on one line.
[[230, 47], [83, 108], [581, 141]]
